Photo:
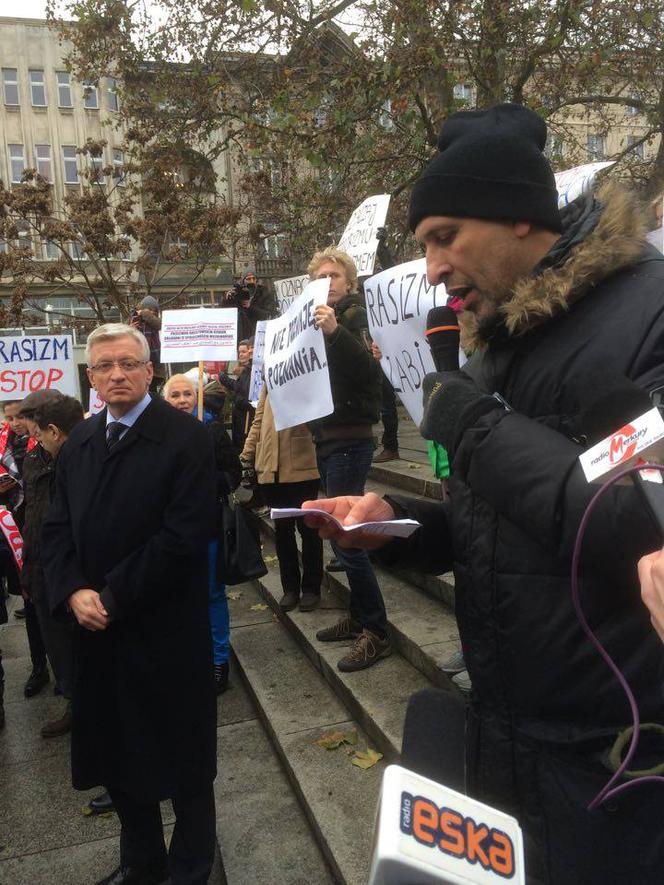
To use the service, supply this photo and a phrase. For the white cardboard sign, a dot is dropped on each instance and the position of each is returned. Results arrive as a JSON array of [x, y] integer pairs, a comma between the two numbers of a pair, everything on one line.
[[296, 370], [359, 238], [36, 362], [398, 301], [257, 364], [288, 290], [574, 182], [199, 333]]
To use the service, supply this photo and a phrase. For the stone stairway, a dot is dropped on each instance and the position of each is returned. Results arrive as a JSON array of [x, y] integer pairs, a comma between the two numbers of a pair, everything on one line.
[[301, 696]]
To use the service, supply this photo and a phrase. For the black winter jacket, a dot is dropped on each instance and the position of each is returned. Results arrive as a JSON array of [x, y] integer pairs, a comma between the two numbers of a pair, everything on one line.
[[355, 376], [38, 485], [545, 707]]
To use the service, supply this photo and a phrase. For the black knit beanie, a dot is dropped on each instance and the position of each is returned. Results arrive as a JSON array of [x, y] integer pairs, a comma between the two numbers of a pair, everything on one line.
[[490, 165]]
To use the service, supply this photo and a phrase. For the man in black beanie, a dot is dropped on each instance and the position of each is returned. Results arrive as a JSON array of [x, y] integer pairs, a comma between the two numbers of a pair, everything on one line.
[[548, 297]]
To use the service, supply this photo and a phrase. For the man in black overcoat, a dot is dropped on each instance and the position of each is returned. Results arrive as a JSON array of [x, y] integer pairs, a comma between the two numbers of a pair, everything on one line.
[[125, 554]]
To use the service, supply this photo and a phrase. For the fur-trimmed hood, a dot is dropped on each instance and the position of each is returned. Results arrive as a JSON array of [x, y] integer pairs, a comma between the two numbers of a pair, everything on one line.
[[615, 242]]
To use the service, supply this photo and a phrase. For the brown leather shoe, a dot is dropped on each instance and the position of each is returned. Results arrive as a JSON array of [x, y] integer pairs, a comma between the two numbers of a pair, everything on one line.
[[387, 455], [58, 727], [366, 651]]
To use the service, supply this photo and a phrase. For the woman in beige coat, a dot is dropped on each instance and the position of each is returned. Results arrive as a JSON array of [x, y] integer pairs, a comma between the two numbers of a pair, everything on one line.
[[285, 465]]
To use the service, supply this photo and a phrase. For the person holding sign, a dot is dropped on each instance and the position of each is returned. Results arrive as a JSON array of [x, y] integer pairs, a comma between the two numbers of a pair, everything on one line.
[[125, 550], [550, 297], [344, 446]]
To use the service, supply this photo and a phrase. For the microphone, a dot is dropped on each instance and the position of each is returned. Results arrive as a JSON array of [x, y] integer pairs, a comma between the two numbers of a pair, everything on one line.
[[442, 334], [639, 438], [433, 835]]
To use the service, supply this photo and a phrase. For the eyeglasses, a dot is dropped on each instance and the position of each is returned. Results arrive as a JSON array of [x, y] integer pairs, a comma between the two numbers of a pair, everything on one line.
[[105, 367]]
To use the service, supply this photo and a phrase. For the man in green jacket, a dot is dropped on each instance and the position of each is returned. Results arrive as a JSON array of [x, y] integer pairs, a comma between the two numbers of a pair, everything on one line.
[[344, 447]]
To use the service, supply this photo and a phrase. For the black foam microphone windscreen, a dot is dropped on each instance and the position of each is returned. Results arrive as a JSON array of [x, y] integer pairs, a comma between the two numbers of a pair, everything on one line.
[[442, 334]]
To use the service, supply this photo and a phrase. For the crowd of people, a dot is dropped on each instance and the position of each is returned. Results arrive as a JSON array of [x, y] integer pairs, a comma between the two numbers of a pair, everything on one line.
[[127, 603]]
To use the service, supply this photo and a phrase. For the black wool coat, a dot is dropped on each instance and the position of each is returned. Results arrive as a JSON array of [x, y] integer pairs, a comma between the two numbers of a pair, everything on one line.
[[134, 524], [545, 708]]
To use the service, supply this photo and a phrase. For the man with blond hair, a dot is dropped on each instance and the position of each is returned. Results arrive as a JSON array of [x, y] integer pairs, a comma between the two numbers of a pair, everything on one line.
[[344, 447], [124, 549]]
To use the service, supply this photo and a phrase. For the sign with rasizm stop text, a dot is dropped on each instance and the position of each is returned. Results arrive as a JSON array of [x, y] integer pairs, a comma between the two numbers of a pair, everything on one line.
[[398, 301], [359, 239], [36, 362], [199, 334], [295, 362]]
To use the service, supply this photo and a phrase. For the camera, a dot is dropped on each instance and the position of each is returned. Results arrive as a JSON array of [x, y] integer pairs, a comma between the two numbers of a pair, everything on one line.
[[237, 294]]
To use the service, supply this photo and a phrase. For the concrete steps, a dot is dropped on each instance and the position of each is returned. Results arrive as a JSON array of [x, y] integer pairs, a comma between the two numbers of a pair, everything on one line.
[[297, 707], [262, 831], [299, 694]]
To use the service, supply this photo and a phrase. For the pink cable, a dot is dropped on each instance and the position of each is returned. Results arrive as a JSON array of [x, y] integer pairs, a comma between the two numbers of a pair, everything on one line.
[[609, 791]]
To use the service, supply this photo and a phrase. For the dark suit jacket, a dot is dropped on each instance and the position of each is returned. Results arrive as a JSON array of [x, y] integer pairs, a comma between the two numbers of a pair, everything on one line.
[[134, 524]]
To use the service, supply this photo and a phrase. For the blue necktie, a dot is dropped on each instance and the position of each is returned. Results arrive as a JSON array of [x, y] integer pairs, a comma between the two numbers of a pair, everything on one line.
[[113, 431]]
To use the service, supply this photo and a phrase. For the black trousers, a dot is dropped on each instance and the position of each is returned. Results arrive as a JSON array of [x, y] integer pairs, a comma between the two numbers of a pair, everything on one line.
[[292, 494], [58, 639], [35, 639], [389, 417], [191, 853]]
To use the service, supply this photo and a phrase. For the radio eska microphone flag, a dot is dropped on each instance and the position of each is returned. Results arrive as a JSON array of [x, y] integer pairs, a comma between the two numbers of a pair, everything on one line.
[[428, 834]]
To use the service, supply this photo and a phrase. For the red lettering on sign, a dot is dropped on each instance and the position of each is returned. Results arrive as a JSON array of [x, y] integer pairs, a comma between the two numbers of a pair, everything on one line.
[[619, 448]]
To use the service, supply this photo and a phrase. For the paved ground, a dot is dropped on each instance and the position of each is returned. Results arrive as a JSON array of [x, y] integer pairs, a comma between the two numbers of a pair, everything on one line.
[[44, 836]]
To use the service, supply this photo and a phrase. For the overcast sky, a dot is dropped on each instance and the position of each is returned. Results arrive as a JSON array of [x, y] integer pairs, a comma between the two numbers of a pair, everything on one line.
[[27, 8]]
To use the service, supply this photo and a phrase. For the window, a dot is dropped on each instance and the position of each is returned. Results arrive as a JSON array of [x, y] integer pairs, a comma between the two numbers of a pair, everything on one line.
[[43, 161], [554, 147], [16, 162], [639, 149], [76, 250], [96, 165], [596, 147], [70, 164], [385, 118], [90, 97], [118, 167], [112, 95], [51, 251], [24, 238], [64, 89], [274, 246], [10, 85], [37, 89], [463, 92]]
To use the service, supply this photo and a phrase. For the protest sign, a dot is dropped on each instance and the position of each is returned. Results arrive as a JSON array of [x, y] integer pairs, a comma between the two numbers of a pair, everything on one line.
[[296, 371], [359, 238], [574, 182], [288, 290], [256, 380], [95, 404], [199, 334], [36, 362], [398, 301], [656, 237]]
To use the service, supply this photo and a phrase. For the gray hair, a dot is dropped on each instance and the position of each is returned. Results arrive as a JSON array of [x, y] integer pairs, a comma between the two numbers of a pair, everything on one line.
[[109, 331]]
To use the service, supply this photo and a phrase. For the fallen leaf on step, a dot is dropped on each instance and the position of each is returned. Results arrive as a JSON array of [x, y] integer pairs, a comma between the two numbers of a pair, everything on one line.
[[414, 466], [334, 739], [268, 560], [259, 607], [234, 594], [366, 758], [330, 741]]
